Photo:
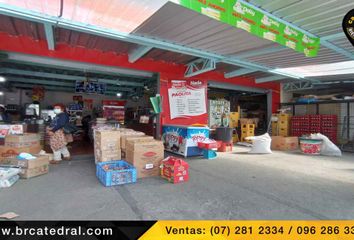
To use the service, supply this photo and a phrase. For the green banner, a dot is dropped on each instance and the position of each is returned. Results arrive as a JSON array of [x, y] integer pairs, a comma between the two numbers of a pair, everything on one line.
[[250, 19]]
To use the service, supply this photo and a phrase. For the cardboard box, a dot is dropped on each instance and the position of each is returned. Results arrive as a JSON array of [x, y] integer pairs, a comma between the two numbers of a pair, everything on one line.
[[30, 164], [104, 156], [32, 168], [285, 143], [175, 170], [107, 139], [146, 157], [130, 138], [11, 152], [34, 172], [25, 140], [128, 134], [134, 143]]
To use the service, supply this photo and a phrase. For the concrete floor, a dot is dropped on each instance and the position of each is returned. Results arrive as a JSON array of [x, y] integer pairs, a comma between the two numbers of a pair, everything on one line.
[[233, 186]]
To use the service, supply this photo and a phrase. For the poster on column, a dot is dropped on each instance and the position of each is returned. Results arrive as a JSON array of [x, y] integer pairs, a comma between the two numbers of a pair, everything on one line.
[[187, 98]]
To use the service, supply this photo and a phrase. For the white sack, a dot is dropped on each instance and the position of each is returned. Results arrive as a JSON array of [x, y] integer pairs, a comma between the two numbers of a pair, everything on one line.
[[6, 173], [328, 147], [9, 182], [261, 144]]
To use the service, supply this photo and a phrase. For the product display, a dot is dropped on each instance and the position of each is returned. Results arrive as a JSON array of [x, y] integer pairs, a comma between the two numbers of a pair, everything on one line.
[[184, 140]]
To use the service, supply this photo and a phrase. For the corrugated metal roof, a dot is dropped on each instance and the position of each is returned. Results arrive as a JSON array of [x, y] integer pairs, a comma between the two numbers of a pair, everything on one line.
[[290, 58], [183, 26], [15, 27], [92, 42]]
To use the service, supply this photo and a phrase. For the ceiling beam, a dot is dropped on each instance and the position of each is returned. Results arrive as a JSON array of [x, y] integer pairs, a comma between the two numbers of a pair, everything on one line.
[[333, 36], [66, 77], [138, 52], [49, 34], [59, 83], [199, 66], [270, 79], [76, 65], [239, 72], [53, 88], [337, 49]]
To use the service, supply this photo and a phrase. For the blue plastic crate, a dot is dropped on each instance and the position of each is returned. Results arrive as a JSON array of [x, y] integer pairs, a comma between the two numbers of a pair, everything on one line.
[[115, 177]]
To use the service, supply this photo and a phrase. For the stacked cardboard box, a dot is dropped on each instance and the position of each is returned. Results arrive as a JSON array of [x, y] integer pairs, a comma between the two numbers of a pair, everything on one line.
[[107, 145], [145, 154], [16, 144], [281, 127], [126, 135]]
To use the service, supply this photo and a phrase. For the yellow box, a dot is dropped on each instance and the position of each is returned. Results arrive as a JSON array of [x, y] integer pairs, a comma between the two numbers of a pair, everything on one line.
[[284, 117], [246, 127], [284, 132], [283, 124], [234, 117]]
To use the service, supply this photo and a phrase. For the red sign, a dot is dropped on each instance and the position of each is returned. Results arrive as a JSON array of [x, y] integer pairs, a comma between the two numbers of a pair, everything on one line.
[[118, 103]]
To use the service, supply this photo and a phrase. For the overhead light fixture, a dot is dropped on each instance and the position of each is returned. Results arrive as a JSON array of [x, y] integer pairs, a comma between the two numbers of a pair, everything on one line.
[[284, 72], [1, 93], [119, 94], [2, 79]]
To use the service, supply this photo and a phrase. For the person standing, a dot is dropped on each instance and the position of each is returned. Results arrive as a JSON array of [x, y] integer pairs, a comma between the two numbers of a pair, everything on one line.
[[58, 141], [4, 116]]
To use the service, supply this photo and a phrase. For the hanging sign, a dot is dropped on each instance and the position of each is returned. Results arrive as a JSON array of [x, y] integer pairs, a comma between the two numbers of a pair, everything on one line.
[[187, 98], [249, 18], [90, 87]]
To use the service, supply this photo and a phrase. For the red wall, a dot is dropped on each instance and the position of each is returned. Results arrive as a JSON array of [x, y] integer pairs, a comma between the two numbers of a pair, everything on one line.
[[168, 71]]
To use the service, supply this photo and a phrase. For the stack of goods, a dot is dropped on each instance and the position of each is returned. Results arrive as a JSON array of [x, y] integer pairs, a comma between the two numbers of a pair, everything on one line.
[[284, 143], [300, 125], [145, 154], [107, 145], [175, 170], [247, 130], [8, 176], [329, 125], [315, 123], [115, 173], [281, 124], [16, 144], [129, 134], [325, 124]]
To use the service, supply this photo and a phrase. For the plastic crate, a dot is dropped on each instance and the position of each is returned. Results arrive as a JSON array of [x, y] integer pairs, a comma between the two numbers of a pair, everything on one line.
[[108, 176]]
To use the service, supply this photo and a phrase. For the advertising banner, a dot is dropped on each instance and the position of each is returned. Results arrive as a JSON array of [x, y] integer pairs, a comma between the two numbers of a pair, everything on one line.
[[242, 15], [187, 98]]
